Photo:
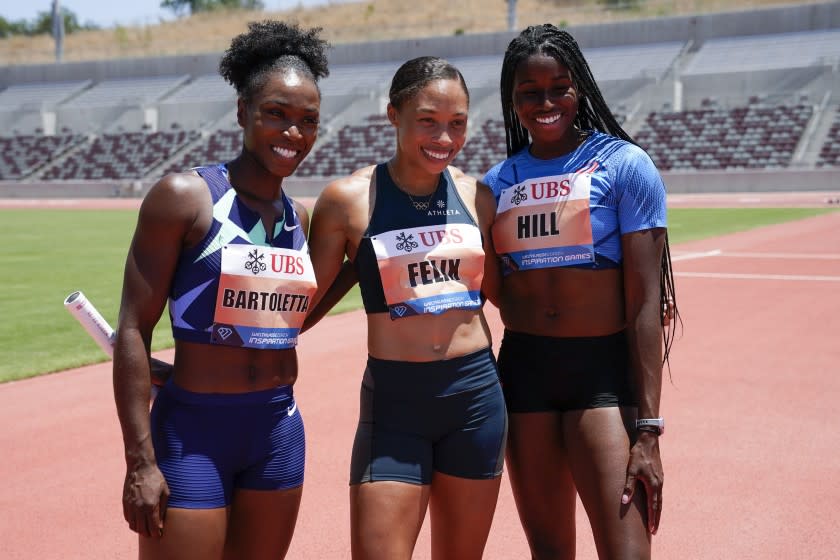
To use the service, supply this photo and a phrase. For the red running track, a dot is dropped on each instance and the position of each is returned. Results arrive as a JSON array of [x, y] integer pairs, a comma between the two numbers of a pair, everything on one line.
[[751, 453]]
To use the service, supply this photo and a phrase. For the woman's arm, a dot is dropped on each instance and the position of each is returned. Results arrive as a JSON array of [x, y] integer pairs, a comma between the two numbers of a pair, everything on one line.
[[642, 252], [162, 226], [339, 211], [485, 205], [345, 280]]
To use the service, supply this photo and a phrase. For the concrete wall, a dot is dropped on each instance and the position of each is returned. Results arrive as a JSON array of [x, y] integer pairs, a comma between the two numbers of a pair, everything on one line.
[[682, 28]]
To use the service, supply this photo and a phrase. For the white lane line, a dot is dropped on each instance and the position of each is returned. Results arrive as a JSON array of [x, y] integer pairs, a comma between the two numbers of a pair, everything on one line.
[[700, 255], [755, 255], [804, 256], [733, 276]]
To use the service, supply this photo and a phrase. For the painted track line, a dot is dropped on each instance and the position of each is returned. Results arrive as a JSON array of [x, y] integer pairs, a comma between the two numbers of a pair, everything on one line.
[[696, 255], [755, 255], [734, 276], [802, 256]]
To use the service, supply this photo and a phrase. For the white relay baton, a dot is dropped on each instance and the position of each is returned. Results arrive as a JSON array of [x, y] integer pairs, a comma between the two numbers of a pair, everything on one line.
[[95, 324], [91, 320]]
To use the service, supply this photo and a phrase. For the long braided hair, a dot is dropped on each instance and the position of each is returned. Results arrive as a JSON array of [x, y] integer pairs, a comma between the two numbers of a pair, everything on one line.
[[593, 114]]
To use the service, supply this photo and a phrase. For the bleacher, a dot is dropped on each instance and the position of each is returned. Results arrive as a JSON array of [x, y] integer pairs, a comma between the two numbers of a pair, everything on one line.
[[484, 148], [746, 102], [353, 147], [109, 93], [209, 87], [220, 146], [613, 64], [754, 136], [779, 51], [830, 152], [119, 156], [20, 156], [43, 94]]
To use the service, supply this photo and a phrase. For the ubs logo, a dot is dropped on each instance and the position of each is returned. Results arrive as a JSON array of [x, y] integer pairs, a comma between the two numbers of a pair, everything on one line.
[[255, 262], [406, 242], [519, 195]]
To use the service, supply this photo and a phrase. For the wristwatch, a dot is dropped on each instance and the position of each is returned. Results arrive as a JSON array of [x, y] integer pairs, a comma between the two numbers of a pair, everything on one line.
[[653, 425]]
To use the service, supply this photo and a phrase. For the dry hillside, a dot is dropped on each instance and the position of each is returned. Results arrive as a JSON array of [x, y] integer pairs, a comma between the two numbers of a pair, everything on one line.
[[343, 23]]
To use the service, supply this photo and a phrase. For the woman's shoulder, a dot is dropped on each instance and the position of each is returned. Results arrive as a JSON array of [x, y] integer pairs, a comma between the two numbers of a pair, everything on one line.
[[178, 189], [612, 147], [470, 188], [350, 184], [348, 190], [460, 179]]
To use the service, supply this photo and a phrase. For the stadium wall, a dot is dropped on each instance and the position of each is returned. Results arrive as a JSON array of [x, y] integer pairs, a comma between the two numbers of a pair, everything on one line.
[[817, 16], [677, 182]]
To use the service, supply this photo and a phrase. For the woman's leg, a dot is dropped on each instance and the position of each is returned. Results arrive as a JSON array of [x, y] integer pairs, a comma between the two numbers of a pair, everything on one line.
[[385, 519], [462, 511], [542, 484], [188, 534], [262, 523], [598, 443]]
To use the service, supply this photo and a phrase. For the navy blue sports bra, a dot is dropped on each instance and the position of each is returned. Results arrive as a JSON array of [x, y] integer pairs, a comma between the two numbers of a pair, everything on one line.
[[414, 260]]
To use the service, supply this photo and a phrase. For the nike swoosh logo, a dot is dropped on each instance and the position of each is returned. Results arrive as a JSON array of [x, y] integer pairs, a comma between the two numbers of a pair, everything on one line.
[[292, 409], [287, 228]]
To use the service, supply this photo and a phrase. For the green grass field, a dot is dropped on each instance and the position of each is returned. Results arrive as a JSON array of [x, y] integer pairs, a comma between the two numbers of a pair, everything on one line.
[[47, 254]]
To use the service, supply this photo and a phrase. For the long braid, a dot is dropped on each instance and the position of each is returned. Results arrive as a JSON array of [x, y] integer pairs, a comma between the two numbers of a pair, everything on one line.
[[593, 114]]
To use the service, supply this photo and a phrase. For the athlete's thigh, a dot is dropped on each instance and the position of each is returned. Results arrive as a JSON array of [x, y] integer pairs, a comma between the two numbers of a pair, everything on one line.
[[262, 523], [598, 442], [385, 519], [461, 514], [188, 534], [543, 488]]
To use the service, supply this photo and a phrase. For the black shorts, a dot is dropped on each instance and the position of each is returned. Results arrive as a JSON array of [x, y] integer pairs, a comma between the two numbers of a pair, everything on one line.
[[419, 417], [545, 373]]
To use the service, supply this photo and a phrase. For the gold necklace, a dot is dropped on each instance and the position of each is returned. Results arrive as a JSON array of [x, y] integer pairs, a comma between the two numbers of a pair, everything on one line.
[[419, 205]]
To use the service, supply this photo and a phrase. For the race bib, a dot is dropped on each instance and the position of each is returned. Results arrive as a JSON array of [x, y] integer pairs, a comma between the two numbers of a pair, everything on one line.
[[430, 269], [263, 297], [545, 222]]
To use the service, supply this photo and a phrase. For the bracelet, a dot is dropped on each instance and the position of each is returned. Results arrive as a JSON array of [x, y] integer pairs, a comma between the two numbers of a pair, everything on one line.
[[653, 425], [649, 429]]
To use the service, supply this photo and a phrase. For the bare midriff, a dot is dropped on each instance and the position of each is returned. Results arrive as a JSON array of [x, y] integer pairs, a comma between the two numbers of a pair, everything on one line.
[[427, 338], [210, 368], [563, 302]]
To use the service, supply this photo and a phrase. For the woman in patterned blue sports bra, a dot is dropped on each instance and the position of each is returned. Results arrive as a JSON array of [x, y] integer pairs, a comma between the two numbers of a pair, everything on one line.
[[432, 421], [216, 469], [581, 233]]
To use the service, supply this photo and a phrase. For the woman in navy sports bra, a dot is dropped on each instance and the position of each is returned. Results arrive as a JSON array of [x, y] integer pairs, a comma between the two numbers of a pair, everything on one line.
[[216, 469], [581, 233], [432, 421]]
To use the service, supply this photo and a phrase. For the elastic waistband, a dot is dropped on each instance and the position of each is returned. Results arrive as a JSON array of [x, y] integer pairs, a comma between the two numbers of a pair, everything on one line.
[[440, 377], [265, 396], [581, 341]]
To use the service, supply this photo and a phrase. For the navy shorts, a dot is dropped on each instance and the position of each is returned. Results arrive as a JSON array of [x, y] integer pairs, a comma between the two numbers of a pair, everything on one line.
[[419, 417], [546, 373], [208, 444]]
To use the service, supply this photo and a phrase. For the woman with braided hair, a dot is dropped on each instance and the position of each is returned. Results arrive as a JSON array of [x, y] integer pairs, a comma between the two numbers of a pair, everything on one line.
[[581, 232], [216, 469]]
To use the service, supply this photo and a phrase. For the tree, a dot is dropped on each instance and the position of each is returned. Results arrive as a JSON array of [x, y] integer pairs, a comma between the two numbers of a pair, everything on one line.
[[195, 6], [9, 28], [42, 24]]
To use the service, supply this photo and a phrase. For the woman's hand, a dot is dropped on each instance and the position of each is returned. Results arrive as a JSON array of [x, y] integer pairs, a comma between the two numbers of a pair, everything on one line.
[[645, 467], [145, 495], [161, 371]]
